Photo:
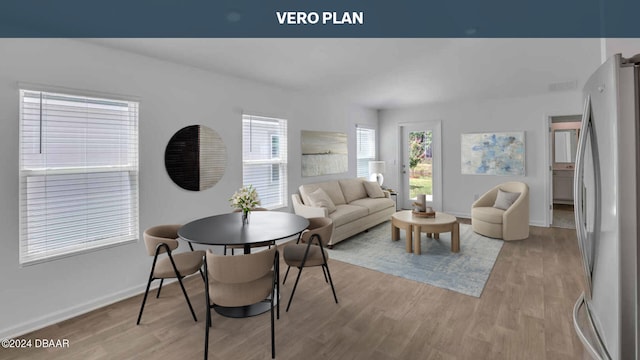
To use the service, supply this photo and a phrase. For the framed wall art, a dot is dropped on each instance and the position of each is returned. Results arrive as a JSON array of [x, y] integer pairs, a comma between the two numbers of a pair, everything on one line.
[[493, 153], [324, 153]]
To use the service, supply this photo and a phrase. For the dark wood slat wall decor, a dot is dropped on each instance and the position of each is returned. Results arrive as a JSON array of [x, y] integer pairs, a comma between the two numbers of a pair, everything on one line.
[[182, 158], [195, 158]]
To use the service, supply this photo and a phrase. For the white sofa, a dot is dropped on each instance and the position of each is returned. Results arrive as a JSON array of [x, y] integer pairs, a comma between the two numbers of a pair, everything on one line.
[[355, 210]]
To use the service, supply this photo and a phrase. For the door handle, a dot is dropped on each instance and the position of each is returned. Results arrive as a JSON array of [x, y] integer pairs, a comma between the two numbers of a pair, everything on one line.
[[578, 193]]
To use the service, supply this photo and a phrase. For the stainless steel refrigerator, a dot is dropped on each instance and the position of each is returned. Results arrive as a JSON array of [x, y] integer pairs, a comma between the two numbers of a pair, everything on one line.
[[606, 206]]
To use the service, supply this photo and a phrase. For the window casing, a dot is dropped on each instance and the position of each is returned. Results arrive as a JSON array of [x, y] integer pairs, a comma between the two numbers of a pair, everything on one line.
[[365, 150], [78, 174], [264, 159]]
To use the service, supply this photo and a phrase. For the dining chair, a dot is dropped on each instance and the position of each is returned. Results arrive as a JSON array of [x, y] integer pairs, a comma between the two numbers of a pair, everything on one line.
[[240, 281], [164, 239], [309, 251], [260, 244]]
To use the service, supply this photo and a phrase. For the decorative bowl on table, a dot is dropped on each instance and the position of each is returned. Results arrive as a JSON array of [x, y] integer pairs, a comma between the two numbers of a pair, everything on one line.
[[423, 214]]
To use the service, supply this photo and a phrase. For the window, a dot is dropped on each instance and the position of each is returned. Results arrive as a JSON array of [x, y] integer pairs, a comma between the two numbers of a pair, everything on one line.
[[264, 158], [275, 173], [275, 146], [78, 174], [275, 154], [366, 150]]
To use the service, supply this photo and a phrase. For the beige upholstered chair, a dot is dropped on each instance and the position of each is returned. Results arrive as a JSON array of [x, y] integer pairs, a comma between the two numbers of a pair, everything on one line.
[[260, 244], [309, 251], [163, 239], [242, 280], [512, 223]]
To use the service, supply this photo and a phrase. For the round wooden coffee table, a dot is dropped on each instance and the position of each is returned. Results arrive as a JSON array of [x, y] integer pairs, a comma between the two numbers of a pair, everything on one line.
[[413, 225]]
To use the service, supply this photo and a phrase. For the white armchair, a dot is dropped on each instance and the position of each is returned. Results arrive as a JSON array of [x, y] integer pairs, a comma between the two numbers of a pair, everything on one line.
[[511, 223]]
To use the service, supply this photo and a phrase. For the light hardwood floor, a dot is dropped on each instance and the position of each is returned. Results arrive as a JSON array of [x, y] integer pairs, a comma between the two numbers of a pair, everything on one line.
[[523, 313]]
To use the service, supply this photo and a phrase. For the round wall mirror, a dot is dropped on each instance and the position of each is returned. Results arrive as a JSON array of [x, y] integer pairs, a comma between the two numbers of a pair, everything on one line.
[[195, 158]]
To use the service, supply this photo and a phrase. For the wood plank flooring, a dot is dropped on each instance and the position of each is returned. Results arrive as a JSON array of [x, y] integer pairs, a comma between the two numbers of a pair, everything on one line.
[[523, 313]]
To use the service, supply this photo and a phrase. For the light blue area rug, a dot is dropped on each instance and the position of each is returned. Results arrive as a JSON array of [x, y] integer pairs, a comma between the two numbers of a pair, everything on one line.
[[465, 272]]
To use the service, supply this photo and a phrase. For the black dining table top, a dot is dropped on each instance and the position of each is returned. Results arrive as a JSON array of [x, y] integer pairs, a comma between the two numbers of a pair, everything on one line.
[[228, 229]]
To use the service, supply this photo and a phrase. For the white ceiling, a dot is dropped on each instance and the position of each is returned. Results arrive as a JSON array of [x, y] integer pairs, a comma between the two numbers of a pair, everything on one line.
[[387, 73]]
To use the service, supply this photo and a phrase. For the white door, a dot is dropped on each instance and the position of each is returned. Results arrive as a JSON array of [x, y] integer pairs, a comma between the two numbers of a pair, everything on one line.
[[421, 164]]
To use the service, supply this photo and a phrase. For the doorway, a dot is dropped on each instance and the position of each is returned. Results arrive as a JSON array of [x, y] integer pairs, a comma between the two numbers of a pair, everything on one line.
[[563, 141], [563, 216], [421, 161]]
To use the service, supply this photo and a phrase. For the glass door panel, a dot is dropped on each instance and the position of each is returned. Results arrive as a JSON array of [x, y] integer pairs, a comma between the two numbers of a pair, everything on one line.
[[421, 164]]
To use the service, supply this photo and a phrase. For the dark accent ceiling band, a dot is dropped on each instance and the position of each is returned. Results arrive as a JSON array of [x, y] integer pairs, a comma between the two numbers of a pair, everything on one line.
[[313, 18]]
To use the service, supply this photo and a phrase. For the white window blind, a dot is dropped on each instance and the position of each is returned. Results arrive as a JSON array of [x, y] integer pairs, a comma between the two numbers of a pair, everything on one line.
[[366, 150], [264, 158], [78, 174]]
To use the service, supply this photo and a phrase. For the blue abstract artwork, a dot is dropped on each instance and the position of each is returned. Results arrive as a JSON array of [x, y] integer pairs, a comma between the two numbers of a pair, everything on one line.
[[500, 153]]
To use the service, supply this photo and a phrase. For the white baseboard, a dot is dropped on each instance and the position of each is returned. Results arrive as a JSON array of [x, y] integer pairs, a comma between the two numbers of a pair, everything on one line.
[[458, 214], [77, 310]]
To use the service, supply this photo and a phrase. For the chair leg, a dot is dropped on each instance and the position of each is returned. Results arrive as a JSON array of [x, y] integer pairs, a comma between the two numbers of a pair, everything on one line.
[[326, 266], [179, 277], [286, 274], [206, 333], [159, 288], [208, 315], [144, 299], [331, 282], [325, 275], [187, 298], [294, 289], [278, 286], [304, 261], [146, 292], [273, 336], [225, 250]]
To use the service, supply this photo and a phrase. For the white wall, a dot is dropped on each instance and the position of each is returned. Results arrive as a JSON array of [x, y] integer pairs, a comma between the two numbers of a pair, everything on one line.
[[510, 114], [172, 96], [625, 46]]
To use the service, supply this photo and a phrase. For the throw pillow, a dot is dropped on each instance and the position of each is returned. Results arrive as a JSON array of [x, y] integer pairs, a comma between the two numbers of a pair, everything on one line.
[[320, 198], [505, 199], [373, 189], [352, 189]]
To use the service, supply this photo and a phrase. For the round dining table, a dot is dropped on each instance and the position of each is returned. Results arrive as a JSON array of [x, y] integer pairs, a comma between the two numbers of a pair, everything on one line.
[[229, 229]]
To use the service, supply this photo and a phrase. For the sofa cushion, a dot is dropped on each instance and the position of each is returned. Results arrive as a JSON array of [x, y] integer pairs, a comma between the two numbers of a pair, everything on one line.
[[374, 205], [373, 189], [347, 213], [332, 188], [487, 214], [504, 199], [353, 189], [319, 198]]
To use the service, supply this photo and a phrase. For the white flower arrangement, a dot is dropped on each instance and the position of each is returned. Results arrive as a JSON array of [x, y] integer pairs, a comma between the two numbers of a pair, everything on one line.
[[245, 199]]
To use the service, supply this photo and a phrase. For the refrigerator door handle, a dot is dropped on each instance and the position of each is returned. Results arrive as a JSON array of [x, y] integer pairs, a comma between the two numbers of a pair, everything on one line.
[[578, 193], [596, 351]]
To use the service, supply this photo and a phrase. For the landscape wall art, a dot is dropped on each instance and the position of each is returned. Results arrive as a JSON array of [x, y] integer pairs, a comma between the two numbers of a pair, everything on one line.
[[324, 153]]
